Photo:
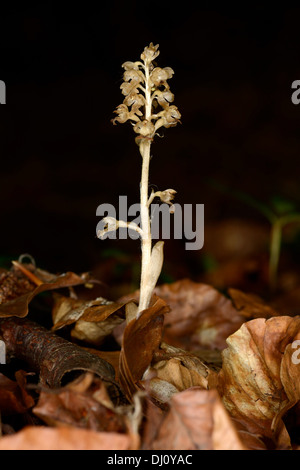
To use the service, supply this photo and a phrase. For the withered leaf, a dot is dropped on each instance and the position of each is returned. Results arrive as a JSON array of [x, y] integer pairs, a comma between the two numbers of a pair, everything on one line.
[[14, 398], [18, 306], [14, 283], [289, 370], [177, 370], [254, 378], [199, 316], [94, 320], [83, 403], [64, 438], [197, 420], [141, 338]]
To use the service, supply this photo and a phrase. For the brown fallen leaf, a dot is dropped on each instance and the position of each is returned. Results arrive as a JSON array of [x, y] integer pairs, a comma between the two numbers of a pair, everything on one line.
[[199, 316], [14, 398], [153, 418], [141, 339], [174, 370], [290, 371], [64, 438], [93, 320], [83, 403], [16, 303], [255, 381], [196, 420], [14, 283]]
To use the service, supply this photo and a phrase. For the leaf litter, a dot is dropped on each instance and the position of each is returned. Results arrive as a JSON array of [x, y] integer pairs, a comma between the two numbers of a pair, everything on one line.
[[199, 369]]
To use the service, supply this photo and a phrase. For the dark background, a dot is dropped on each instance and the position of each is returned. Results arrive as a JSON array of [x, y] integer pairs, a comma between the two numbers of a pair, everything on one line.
[[61, 157]]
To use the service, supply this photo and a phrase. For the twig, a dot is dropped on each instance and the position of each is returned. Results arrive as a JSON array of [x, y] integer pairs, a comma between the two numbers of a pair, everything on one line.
[[53, 357]]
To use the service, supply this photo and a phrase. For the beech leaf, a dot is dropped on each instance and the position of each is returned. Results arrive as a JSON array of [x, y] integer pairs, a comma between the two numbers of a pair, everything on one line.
[[256, 380]]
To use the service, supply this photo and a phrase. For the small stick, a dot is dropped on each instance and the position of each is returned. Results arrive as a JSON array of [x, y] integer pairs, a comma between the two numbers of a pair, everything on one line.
[[28, 273], [52, 356]]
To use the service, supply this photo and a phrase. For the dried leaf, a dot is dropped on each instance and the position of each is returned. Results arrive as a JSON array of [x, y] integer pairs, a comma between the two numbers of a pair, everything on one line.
[[197, 420], [14, 398], [251, 376], [182, 373], [83, 403], [13, 283], [18, 306], [154, 417], [64, 438], [289, 371], [199, 316], [177, 370], [94, 320], [141, 339]]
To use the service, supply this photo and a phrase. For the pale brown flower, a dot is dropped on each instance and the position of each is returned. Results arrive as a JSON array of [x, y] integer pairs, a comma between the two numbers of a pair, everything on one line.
[[167, 195], [150, 52], [168, 118], [131, 65], [128, 87], [155, 89], [144, 128], [135, 100], [159, 76], [135, 76], [124, 114], [172, 115], [164, 98]]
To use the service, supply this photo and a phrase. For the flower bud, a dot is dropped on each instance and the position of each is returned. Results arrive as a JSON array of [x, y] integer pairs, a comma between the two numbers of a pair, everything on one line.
[[168, 195], [150, 52]]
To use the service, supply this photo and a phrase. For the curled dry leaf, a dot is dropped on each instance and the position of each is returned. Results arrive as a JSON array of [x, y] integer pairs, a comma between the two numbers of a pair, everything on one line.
[[93, 320], [175, 371], [196, 420], [258, 380], [14, 283], [17, 291], [64, 438], [199, 316], [14, 398], [154, 417], [289, 371], [141, 339], [83, 403]]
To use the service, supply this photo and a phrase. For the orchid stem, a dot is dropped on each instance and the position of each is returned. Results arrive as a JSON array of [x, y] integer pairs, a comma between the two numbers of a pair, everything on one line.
[[145, 147]]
